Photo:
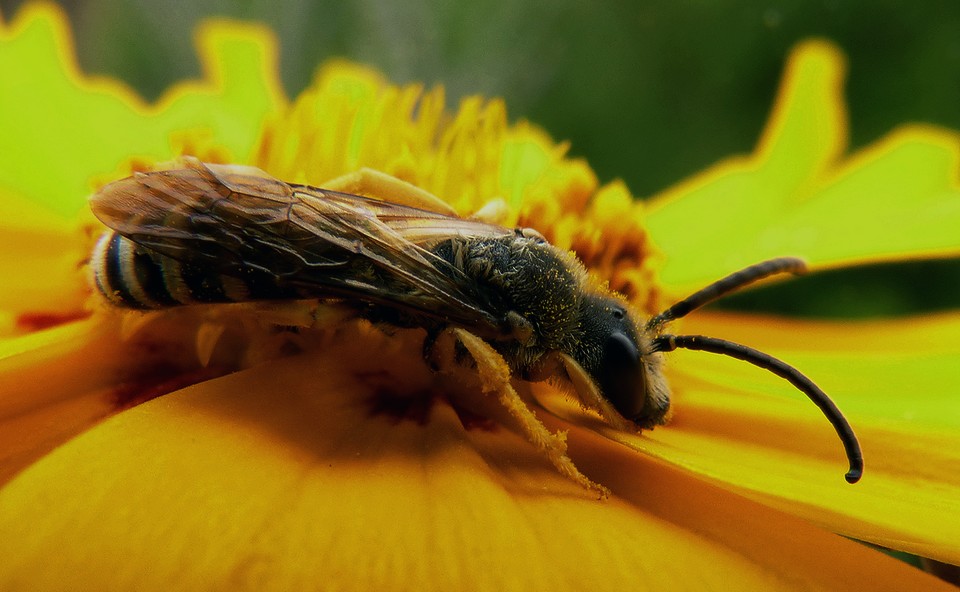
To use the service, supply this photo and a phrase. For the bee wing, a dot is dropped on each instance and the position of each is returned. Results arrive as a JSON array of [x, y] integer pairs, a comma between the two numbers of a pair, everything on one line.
[[239, 221]]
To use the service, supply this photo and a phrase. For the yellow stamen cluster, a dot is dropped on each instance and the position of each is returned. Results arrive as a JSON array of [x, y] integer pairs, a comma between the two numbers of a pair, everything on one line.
[[351, 118]]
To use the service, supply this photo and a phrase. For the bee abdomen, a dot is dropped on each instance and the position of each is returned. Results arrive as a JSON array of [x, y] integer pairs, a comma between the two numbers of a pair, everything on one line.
[[131, 276]]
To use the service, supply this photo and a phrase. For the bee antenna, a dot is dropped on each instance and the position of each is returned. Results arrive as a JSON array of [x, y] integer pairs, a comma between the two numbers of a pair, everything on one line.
[[724, 286], [666, 343]]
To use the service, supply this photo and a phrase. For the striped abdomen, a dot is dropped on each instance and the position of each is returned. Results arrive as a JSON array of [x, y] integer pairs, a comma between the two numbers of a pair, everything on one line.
[[131, 276]]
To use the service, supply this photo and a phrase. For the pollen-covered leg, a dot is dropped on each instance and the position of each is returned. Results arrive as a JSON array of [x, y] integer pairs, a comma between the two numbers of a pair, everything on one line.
[[495, 377], [380, 185]]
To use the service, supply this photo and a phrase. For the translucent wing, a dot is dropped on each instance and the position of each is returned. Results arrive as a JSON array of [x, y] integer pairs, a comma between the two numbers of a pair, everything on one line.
[[240, 222]]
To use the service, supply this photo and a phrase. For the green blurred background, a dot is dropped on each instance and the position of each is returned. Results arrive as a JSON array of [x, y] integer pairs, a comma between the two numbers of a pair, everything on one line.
[[649, 92]]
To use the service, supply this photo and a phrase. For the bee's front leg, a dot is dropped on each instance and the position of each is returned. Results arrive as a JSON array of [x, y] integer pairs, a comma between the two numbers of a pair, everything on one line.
[[589, 393], [494, 376]]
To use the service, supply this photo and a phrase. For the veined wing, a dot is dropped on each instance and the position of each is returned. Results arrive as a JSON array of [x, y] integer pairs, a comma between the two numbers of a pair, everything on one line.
[[238, 221]]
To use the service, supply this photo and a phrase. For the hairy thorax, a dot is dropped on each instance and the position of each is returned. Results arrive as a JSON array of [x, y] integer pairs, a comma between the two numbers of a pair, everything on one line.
[[535, 288]]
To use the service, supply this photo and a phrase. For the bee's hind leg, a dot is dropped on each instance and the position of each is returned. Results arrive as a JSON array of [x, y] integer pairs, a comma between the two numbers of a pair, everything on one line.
[[379, 185], [495, 378]]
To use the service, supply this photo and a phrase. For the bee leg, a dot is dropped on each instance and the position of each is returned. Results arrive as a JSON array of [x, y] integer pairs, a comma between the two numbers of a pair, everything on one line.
[[590, 395], [379, 185], [433, 354], [496, 211], [495, 378]]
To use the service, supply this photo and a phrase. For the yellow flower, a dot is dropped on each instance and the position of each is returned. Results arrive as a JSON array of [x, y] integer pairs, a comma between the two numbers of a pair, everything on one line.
[[265, 469]]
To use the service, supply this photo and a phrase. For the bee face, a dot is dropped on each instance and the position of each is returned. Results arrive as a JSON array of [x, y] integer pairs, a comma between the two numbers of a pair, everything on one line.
[[616, 356]]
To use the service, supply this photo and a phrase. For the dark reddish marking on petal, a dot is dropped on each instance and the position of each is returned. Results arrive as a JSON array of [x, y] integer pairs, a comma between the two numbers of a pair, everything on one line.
[[471, 420], [402, 407], [35, 321], [391, 400], [377, 378], [160, 379]]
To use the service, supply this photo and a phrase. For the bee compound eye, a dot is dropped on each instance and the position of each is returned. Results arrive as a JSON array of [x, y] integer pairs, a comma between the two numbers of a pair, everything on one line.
[[620, 375]]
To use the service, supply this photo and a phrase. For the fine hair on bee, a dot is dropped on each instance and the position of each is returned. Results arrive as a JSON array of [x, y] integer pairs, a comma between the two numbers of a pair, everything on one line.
[[394, 254]]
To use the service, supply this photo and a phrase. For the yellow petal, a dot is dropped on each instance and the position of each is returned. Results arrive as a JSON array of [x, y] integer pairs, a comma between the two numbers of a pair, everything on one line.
[[53, 385], [897, 200], [66, 374], [896, 382], [301, 471], [41, 260], [59, 129], [797, 194], [285, 477]]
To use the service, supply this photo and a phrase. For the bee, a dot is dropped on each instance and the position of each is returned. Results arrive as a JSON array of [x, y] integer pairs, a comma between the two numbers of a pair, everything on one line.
[[208, 233]]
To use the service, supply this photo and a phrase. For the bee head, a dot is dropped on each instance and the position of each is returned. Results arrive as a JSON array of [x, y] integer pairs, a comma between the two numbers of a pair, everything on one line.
[[617, 357], [624, 360]]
